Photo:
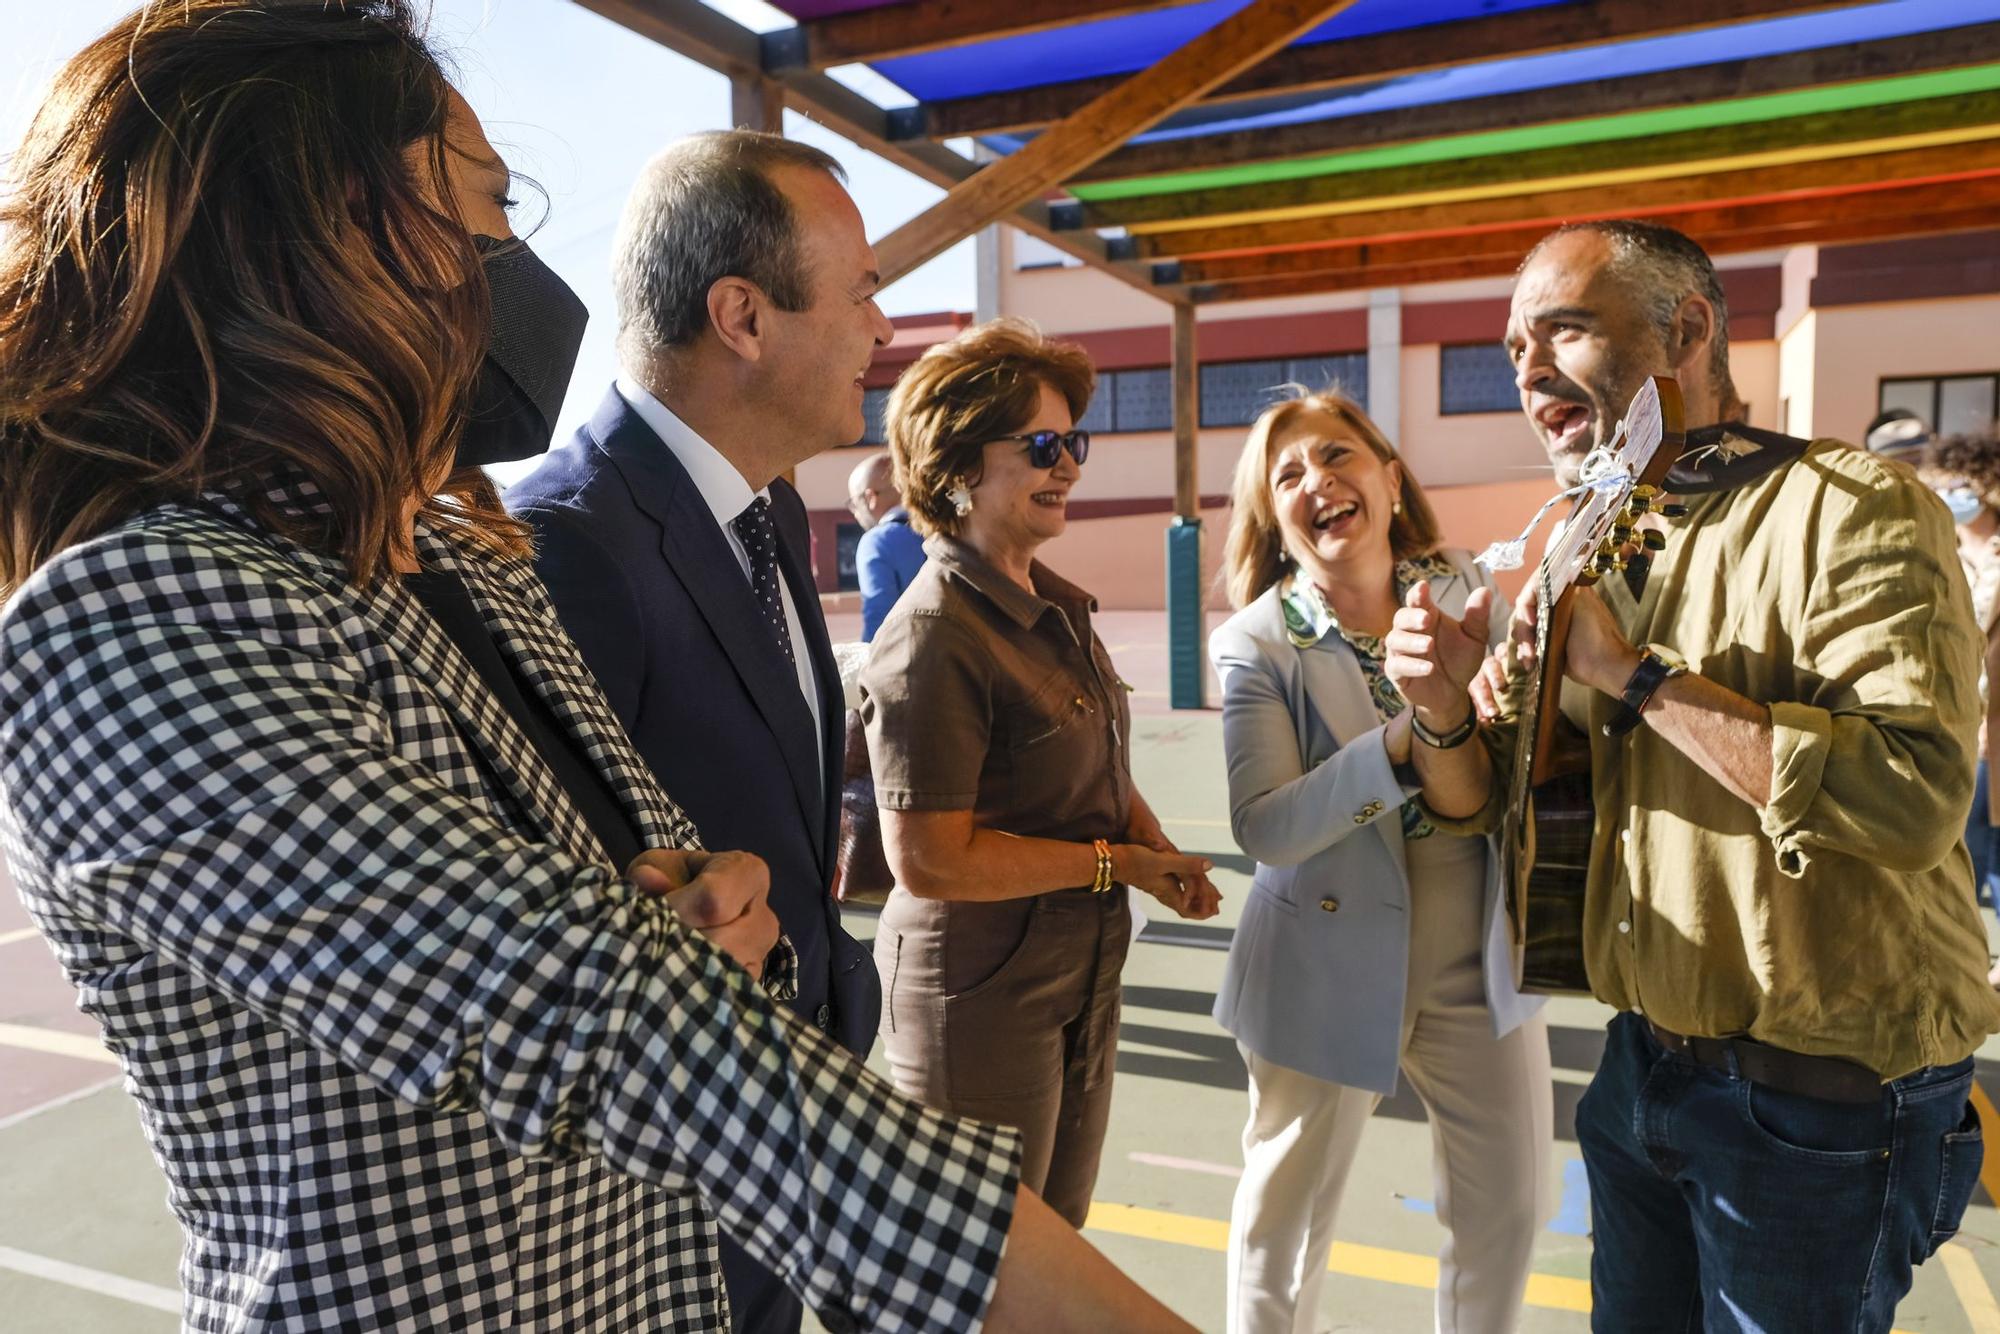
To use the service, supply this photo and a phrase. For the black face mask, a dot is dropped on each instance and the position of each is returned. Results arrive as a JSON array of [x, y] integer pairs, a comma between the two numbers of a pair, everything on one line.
[[537, 329]]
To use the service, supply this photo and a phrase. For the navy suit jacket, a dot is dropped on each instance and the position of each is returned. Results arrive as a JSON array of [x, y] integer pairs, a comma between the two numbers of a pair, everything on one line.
[[646, 584]]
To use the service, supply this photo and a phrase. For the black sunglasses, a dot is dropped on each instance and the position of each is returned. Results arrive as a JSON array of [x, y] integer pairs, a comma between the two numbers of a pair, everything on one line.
[[1044, 447]]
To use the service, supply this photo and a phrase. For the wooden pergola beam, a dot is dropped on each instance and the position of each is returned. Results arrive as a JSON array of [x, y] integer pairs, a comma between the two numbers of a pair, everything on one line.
[[868, 35], [1665, 195], [1233, 45], [1382, 56], [1857, 208], [707, 37], [1826, 232], [1859, 125], [1920, 53]]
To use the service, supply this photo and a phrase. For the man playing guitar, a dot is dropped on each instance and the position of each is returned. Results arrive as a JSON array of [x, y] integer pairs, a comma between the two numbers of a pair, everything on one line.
[[1781, 706]]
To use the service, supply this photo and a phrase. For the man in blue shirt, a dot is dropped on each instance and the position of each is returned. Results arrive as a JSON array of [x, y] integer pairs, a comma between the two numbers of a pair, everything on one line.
[[891, 551]]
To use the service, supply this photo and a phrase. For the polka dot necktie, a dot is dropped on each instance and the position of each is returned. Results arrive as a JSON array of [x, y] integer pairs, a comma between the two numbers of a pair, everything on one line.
[[759, 536]]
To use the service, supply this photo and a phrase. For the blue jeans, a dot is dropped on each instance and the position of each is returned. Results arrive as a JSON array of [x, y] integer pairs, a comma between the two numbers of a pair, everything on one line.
[[1718, 1204]]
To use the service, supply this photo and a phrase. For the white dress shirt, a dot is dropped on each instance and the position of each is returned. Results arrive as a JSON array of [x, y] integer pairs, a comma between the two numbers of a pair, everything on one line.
[[727, 495]]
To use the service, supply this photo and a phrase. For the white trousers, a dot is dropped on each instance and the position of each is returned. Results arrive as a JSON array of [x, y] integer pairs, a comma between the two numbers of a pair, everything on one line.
[[1492, 1146]]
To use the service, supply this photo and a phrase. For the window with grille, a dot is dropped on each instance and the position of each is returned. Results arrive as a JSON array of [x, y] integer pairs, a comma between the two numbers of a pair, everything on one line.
[[1949, 404], [1476, 377]]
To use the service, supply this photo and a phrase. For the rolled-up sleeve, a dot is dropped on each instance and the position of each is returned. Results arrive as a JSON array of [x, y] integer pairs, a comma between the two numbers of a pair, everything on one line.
[[1876, 760]]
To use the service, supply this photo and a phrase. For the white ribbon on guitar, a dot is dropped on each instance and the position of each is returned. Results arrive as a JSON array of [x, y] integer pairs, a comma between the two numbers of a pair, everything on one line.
[[1601, 471]]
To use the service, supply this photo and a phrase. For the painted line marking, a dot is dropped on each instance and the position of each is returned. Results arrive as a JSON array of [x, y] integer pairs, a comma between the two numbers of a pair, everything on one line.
[[61, 1100], [1989, 1125], [1549, 1291], [91, 1280], [1973, 1294], [1185, 1164], [24, 933], [1348, 1258], [53, 1043]]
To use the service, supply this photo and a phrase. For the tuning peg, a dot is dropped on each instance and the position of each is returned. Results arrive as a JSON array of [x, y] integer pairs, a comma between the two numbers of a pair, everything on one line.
[[1644, 492], [1653, 540], [1609, 564], [1673, 511], [1621, 533]]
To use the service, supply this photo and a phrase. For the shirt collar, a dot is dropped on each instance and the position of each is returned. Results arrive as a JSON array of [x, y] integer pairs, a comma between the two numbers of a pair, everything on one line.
[[1052, 591], [722, 488], [895, 514], [1308, 618]]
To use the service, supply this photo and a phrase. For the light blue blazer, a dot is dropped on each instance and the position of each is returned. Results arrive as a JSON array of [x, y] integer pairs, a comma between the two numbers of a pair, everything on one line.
[[1318, 988]]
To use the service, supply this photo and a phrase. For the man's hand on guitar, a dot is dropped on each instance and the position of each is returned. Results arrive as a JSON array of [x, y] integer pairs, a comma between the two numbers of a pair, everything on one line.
[[1432, 658], [1599, 655]]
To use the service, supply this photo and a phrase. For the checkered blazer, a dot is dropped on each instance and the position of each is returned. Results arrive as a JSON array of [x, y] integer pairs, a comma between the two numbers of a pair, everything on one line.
[[411, 1055]]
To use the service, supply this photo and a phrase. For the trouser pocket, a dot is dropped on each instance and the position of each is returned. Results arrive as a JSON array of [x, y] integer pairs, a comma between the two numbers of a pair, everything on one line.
[[1964, 1150]]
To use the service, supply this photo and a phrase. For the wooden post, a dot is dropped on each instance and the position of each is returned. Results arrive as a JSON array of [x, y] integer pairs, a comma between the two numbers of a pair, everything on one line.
[[1187, 413], [1187, 666], [757, 103]]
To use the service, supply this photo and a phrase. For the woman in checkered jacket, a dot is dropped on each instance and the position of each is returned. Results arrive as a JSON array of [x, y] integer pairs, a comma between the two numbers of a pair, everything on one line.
[[318, 807]]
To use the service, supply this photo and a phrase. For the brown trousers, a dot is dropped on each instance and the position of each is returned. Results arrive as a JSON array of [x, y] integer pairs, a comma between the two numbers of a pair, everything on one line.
[[1008, 1013]]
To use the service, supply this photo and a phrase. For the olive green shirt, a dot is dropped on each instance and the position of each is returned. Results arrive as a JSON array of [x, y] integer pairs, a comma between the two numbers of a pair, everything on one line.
[[1838, 918]]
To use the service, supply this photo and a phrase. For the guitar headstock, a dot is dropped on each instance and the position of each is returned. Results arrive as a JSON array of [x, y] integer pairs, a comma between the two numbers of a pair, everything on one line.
[[1628, 474]]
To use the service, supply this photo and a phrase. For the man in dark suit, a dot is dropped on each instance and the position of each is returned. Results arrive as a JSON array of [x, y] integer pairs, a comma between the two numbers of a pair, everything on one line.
[[678, 556]]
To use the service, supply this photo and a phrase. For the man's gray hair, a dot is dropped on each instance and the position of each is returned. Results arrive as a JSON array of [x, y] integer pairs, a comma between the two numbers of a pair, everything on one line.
[[703, 210], [1664, 267]]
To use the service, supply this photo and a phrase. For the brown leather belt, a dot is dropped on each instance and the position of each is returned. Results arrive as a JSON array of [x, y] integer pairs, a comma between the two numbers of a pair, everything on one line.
[[1826, 1077]]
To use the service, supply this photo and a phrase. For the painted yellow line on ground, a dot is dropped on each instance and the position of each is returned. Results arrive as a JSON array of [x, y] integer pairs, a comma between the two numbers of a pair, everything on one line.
[[53, 1043], [1989, 1126], [1973, 1294], [1400, 1267], [25, 933]]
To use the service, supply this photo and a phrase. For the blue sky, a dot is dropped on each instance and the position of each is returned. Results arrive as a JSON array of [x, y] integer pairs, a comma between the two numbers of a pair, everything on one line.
[[571, 99]]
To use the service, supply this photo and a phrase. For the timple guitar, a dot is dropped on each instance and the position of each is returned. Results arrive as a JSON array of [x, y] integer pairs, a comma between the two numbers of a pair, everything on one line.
[[1545, 841]]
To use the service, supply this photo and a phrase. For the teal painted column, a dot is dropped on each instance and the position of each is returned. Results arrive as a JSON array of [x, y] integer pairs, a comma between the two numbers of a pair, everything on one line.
[[1187, 667]]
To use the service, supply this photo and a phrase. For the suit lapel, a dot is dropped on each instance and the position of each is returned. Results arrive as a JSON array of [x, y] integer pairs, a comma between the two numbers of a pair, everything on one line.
[[699, 556]]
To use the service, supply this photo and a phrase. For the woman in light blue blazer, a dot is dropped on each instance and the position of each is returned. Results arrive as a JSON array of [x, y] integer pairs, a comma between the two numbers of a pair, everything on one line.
[[1373, 940]]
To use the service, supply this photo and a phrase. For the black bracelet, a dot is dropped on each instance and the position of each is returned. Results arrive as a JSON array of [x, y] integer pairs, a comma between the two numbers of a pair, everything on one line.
[[1456, 737]]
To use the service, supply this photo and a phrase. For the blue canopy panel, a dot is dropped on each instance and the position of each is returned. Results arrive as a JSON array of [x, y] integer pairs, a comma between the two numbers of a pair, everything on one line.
[[1136, 41], [1767, 37]]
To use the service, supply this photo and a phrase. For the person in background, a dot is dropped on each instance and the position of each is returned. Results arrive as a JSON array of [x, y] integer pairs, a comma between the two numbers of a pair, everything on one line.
[[1899, 434], [891, 550], [676, 552], [1000, 739], [1965, 472], [437, 1013], [1372, 941]]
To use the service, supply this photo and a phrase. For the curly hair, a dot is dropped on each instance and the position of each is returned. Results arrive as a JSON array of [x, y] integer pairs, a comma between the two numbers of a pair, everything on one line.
[[1975, 458], [223, 272], [982, 384]]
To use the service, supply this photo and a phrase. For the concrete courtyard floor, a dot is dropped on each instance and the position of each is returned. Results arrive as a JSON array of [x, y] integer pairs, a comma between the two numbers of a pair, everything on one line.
[[86, 1243]]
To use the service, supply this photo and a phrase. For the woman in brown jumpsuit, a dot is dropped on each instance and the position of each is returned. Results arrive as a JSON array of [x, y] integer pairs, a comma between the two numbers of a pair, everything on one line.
[[999, 736]]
